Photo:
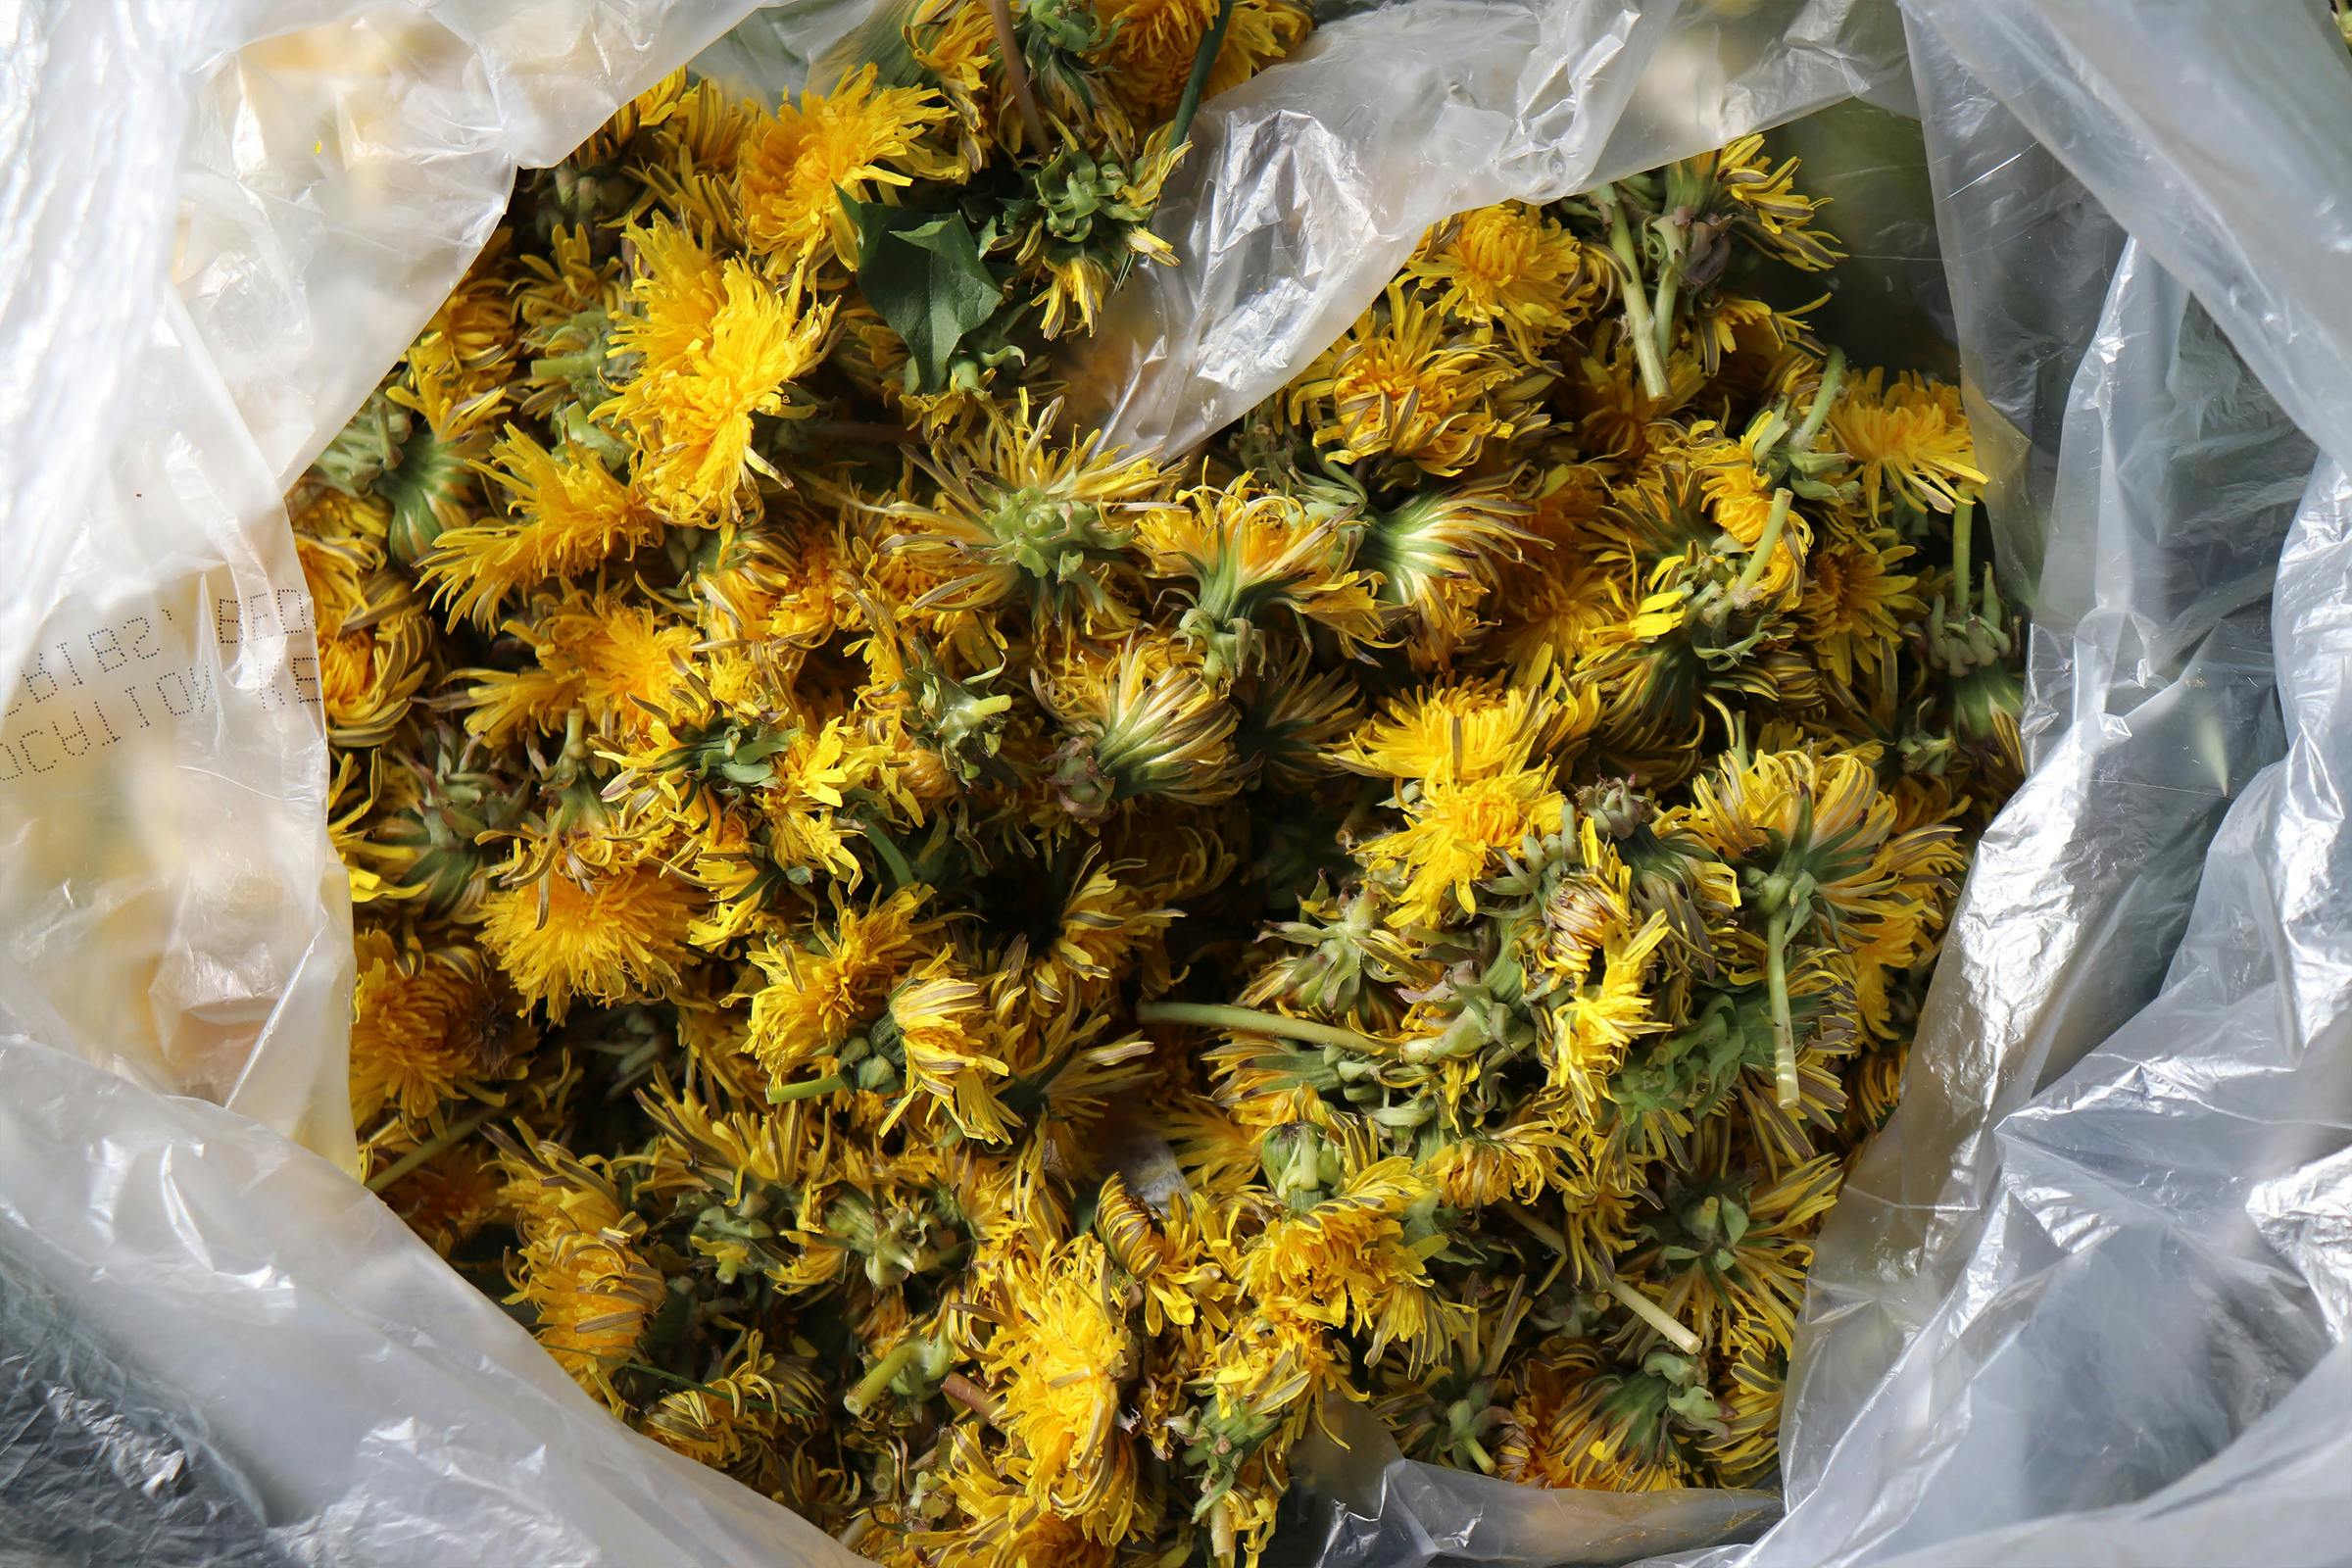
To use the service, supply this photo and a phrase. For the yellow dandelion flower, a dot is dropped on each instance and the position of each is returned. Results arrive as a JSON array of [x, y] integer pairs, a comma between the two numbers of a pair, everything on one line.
[[572, 516], [1107, 922], [601, 653], [1731, 1251], [419, 1029], [1164, 1254], [1825, 820], [1399, 385], [1346, 1261], [1593, 1022], [955, 42], [1585, 1422], [1060, 1354], [1814, 838], [591, 1293], [373, 645], [805, 797], [1453, 833], [1462, 731], [1437, 555], [860, 141], [994, 1522], [1739, 494], [1617, 414], [737, 1412], [820, 988], [1019, 515], [1908, 438], [1251, 556], [335, 518], [616, 938], [1552, 615], [1765, 204], [714, 343], [1149, 47], [1293, 718], [1517, 1160], [1855, 604], [369, 675], [451, 1197], [1511, 267], [1139, 725], [941, 1026], [468, 348]]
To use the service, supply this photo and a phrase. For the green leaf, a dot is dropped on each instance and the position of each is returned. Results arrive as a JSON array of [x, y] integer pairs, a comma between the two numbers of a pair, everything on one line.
[[922, 272]]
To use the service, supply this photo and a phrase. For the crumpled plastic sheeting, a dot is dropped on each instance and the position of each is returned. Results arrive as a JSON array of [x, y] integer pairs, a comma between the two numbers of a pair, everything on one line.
[[2028, 255], [99, 1468], [1310, 183], [381, 1409]]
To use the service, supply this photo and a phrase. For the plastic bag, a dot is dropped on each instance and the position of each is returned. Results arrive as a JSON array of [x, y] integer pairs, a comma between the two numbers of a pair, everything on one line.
[[2079, 1302]]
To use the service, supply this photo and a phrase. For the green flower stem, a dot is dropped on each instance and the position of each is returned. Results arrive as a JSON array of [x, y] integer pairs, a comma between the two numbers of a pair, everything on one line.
[[1963, 516], [1638, 319], [809, 1089], [1649, 1313], [1205, 61], [878, 1378], [1825, 397], [1784, 1029], [1016, 70], [1670, 281], [1250, 1020], [456, 1132], [1478, 1452], [569, 367], [1767, 542]]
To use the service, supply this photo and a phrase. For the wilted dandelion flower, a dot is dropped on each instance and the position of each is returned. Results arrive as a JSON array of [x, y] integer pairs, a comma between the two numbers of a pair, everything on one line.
[[1149, 46], [612, 938], [1908, 439], [1058, 1357], [572, 515], [1508, 267], [419, 1029], [579, 1271], [1400, 385], [1019, 516]]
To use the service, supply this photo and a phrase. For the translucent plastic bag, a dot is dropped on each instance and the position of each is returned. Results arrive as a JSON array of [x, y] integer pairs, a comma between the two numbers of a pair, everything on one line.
[[2081, 1301]]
